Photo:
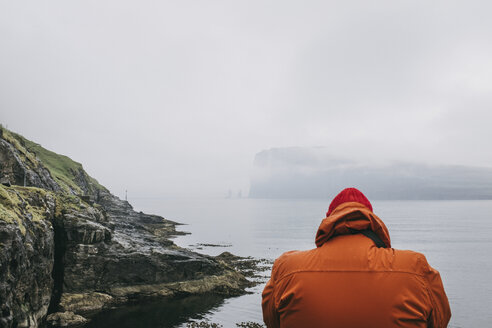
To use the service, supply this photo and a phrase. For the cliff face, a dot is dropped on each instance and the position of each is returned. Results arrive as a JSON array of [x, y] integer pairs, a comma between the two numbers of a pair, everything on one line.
[[69, 245], [26, 255]]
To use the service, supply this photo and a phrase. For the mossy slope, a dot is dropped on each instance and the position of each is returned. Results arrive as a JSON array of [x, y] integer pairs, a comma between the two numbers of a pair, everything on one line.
[[67, 173], [18, 204]]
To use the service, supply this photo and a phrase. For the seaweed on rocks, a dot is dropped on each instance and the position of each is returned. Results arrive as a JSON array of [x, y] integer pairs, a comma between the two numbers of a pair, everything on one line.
[[250, 267], [204, 324]]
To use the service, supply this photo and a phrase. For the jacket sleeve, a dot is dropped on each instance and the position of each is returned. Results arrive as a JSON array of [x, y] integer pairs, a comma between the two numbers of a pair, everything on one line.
[[441, 313], [270, 314]]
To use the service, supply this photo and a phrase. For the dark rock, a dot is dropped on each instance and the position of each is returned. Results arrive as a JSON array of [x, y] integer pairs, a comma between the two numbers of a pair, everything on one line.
[[248, 266], [26, 257], [128, 255], [5, 181], [72, 256], [65, 319], [16, 167]]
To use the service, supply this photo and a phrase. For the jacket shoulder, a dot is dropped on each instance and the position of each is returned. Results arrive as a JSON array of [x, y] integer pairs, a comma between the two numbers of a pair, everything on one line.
[[410, 261], [288, 262]]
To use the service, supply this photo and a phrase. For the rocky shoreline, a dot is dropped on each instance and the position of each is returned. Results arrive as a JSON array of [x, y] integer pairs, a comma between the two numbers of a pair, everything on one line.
[[69, 248]]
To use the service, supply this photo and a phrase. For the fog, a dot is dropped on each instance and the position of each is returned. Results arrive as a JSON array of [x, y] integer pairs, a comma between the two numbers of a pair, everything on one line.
[[314, 173], [175, 98]]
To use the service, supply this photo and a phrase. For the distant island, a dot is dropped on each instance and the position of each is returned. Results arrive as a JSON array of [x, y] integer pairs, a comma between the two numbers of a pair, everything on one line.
[[298, 172]]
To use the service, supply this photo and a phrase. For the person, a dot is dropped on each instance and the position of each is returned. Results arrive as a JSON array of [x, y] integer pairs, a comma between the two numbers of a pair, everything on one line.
[[353, 278]]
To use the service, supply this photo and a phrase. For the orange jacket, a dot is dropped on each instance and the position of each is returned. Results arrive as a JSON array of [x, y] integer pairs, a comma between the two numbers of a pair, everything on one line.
[[349, 282]]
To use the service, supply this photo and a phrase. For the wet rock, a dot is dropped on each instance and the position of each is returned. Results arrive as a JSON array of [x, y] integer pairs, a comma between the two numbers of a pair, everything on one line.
[[18, 168], [248, 266], [65, 319], [85, 302], [250, 324], [127, 255], [203, 324], [72, 246], [26, 256]]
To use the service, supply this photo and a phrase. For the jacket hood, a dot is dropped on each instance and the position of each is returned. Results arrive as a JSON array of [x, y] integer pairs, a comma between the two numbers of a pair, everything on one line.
[[351, 216]]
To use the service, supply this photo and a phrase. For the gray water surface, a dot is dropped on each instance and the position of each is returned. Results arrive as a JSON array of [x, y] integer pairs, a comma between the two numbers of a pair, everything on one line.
[[455, 236]]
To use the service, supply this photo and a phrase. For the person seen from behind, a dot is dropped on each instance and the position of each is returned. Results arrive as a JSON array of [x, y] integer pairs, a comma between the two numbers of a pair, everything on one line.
[[353, 278]]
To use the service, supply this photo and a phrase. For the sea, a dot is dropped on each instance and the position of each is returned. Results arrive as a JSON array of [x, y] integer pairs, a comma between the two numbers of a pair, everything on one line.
[[455, 236]]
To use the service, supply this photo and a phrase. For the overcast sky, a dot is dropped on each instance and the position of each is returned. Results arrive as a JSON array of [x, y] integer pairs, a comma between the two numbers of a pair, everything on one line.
[[171, 98]]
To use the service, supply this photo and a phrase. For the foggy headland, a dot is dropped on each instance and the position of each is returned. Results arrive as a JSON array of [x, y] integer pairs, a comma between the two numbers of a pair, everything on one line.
[[298, 172]]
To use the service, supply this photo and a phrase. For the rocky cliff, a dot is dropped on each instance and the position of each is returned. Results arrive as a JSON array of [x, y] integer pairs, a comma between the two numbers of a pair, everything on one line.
[[69, 248], [26, 255]]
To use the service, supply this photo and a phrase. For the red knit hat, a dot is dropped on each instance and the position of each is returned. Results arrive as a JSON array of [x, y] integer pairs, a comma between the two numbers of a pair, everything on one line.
[[349, 195]]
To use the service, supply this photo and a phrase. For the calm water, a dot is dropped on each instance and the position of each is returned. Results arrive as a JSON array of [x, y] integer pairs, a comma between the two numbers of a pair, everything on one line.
[[455, 236]]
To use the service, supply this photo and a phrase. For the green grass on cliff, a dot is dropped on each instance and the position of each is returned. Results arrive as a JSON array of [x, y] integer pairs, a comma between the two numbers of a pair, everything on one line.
[[62, 168], [6, 205], [25, 154], [18, 204], [10, 211], [23, 206]]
